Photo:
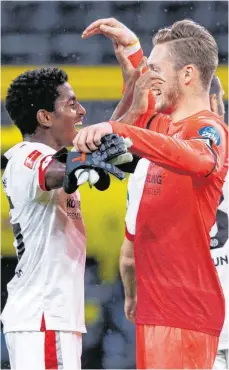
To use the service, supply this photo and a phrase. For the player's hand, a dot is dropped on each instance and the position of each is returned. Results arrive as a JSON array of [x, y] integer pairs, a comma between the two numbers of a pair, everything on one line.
[[130, 74], [89, 138], [113, 29], [95, 167], [143, 86], [130, 308]]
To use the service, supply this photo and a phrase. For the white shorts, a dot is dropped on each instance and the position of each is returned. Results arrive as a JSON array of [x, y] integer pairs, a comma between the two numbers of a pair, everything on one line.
[[221, 360], [44, 350]]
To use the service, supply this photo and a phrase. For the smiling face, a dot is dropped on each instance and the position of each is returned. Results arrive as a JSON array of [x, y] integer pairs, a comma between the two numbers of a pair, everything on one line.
[[167, 94], [68, 113]]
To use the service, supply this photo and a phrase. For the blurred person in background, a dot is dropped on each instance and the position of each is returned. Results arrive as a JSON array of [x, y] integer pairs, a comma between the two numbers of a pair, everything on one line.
[[178, 290], [44, 314], [219, 237]]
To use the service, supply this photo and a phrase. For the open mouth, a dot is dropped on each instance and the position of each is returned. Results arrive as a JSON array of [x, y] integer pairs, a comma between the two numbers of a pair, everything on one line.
[[78, 124]]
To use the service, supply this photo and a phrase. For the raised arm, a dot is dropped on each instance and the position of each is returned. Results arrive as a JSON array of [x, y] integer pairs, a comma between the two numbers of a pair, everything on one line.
[[129, 54]]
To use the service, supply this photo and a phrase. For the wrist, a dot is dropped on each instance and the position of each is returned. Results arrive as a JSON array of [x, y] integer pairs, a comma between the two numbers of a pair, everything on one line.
[[129, 118], [108, 127], [135, 112], [132, 48]]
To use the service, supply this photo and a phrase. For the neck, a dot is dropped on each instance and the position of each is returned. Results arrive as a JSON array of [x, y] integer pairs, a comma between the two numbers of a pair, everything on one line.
[[43, 137], [190, 105]]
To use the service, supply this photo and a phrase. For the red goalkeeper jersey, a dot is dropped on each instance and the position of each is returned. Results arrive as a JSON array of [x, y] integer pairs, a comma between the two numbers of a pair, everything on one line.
[[177, 283]]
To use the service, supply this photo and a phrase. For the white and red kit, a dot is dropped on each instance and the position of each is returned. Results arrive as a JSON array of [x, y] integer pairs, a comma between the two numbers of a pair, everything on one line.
[[45, 307]]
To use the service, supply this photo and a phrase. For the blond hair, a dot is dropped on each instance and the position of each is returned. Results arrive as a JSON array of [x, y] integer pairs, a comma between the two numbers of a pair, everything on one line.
[[191, 43]]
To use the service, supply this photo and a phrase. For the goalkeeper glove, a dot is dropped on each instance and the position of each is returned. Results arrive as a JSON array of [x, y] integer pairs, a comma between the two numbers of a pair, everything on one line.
[[93, 167]]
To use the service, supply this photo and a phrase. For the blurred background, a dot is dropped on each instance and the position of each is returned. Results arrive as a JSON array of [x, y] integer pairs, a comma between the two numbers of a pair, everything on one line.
[[41, 33]]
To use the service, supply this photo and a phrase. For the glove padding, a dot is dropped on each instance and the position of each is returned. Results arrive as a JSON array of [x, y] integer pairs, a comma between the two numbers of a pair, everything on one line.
[[93, 167]]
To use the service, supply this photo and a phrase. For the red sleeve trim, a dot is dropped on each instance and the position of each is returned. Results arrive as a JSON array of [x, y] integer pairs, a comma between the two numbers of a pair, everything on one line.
[[136, 58], [45, 163], [128, 235]]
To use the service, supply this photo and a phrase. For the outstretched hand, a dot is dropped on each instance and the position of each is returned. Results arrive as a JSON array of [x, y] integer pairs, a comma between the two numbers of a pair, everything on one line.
[[111, 28]]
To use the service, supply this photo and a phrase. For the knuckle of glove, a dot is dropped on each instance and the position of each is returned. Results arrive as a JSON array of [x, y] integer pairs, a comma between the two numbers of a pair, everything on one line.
[[112, 146]]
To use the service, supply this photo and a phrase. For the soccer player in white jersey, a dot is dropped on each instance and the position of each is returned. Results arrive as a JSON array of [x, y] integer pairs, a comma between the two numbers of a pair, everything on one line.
[[44, 315], [219, 239]]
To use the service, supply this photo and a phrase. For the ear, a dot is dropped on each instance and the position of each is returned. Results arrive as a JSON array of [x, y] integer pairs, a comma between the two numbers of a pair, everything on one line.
[[188, 74], [44, 118], [213, 103]]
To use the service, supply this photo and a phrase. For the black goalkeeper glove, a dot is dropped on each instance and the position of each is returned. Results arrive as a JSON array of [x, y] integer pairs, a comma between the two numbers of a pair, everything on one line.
[[94, 167]]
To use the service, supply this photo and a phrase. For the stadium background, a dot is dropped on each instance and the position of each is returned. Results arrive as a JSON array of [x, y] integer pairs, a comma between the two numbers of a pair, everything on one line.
[[48, 33]]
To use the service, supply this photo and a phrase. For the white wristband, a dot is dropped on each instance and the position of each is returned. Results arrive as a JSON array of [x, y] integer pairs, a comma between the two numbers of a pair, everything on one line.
[[132, 49]]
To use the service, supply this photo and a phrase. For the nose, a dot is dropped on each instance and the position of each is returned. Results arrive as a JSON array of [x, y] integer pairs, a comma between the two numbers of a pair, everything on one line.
[[81, 111]]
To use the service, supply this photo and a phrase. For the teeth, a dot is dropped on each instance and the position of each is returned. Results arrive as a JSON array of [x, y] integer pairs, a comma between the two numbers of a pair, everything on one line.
[[156, 92], [78, 124]]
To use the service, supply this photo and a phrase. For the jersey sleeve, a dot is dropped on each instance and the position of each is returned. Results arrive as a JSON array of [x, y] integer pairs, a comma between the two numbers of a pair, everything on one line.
[[29, 167], [198, 154]]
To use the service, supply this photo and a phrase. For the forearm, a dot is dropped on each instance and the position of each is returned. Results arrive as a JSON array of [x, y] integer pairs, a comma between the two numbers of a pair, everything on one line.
[[127, 271], [181, 156], [129, 118], [124, 104], [54, 175]]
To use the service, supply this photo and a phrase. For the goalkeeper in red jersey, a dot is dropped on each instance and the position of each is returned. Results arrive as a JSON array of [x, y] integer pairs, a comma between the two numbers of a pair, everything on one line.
[[180, 305]]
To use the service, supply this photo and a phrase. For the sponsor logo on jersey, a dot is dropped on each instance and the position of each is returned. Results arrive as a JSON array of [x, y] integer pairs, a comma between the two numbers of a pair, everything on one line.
[[220, 261], [210, 133], [72, 203], [31, 159], [154, 179]]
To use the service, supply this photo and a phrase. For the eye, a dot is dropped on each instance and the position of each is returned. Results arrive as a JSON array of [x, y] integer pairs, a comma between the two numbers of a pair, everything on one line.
[[73, 104]]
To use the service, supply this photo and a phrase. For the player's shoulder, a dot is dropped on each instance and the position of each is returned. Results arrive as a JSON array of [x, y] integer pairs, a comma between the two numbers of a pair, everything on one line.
[[27, 150], [206, 124], [24, 159], [207, 118]]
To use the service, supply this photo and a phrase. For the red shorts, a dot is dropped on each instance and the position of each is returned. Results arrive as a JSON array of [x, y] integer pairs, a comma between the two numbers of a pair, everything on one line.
[[161, 347]]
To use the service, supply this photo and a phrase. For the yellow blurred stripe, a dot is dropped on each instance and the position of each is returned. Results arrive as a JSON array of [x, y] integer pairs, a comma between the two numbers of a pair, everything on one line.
[[89, 83], [10, 135], [92, 83], [222, 73]]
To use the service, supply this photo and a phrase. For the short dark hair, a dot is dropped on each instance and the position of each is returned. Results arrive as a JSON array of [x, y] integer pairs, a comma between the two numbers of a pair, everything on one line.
[[31, 91], [215, 86]]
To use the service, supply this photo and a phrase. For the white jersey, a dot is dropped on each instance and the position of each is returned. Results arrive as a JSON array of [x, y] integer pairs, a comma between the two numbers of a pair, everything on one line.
[[219, 234], [220, 255], [50, 244]]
